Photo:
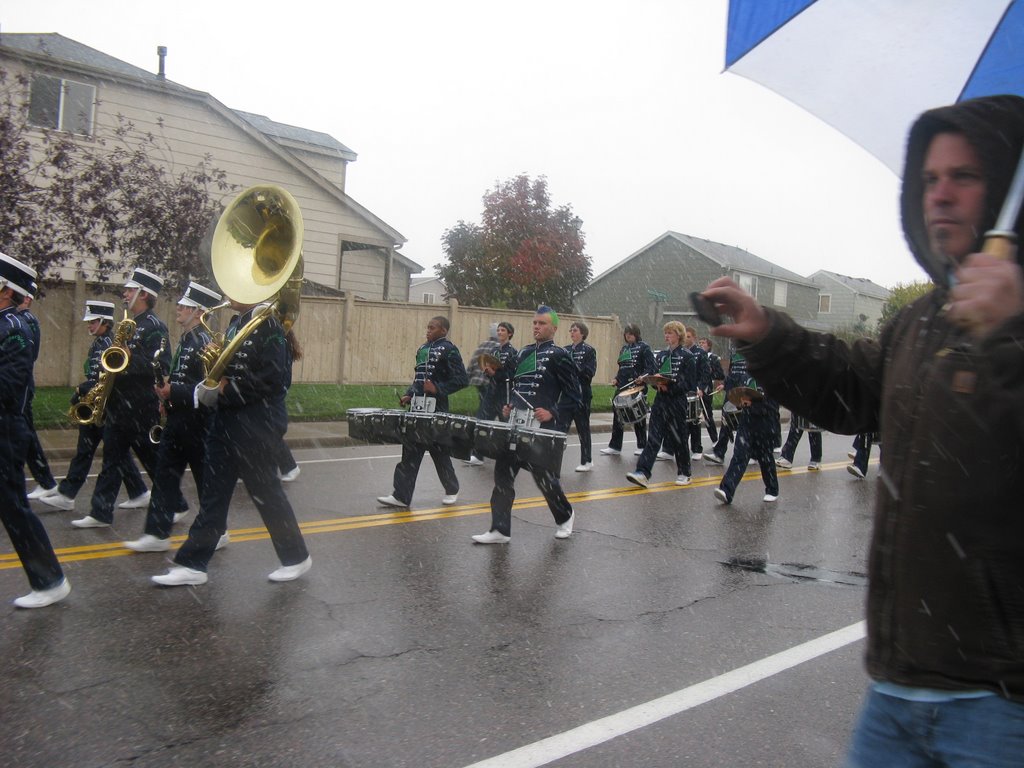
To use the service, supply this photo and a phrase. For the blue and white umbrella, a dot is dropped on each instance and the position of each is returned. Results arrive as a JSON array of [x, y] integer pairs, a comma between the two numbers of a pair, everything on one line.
[[870, 67]]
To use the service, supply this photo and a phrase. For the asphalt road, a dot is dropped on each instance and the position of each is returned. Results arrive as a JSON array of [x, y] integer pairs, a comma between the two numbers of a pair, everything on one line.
[[668, 631]]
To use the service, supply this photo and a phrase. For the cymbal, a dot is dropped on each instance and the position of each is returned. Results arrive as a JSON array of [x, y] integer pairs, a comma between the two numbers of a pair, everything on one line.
[[488, 361], [738, 394], [657, 378]]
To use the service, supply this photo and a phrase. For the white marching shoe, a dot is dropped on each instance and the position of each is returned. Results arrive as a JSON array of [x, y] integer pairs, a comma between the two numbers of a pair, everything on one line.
[[223, 541], [564, 530], [492, 537], [180, 576], [39, 492], [290, 477], [610, 451], [139, 502], [450, 499], [291, 572], [59, 500], [585, 467], [89, 522], [148, 543], [391, 501], [40, 598]]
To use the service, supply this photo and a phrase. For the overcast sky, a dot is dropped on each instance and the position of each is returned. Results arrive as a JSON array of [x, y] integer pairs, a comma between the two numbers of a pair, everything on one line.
[[624, 107]]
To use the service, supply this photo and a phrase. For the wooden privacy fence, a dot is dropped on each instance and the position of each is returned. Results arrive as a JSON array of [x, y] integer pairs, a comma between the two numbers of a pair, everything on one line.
[[344, 340]]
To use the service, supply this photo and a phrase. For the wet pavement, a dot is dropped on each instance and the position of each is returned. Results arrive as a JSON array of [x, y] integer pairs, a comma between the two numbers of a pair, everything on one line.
[[408, 645]]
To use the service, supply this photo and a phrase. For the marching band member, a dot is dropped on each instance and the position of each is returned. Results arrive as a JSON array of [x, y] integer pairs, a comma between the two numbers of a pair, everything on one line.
[[546, 387], [717, 384], [754, 438], [240, 444], [183, 437], [27, 534], [584, 357], [100, 318], [785, 459], [38, 466], [132, 407], [703, 386], [861, 455], [481, 378], [736, 377], [668, 414], [439, 373], [635, 360]]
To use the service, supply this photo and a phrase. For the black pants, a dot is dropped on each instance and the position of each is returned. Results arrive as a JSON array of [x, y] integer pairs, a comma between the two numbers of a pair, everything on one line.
[[89, 438], [708, 415], [240, 444], [409, 467], [121, 436], [752, 440], [182, 444], [27, 534], [862, 446], [667, 430], [793, 440], [581, 420], [504, 494], [38, 466], [639, 428]]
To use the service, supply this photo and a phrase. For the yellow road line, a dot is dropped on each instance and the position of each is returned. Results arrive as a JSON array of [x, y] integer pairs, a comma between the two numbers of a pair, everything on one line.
[[239, 535]]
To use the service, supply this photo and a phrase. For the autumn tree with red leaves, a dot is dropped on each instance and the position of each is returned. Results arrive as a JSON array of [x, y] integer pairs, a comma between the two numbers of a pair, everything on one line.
[[523, 253]]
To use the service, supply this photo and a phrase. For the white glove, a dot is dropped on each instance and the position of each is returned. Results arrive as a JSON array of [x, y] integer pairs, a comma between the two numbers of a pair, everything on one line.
[[206, 395]]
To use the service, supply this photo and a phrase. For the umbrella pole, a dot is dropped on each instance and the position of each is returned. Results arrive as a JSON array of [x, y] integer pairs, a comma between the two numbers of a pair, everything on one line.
[[1001, 241]]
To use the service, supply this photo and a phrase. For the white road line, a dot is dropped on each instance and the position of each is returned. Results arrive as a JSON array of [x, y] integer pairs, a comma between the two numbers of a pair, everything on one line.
[[607, 728]]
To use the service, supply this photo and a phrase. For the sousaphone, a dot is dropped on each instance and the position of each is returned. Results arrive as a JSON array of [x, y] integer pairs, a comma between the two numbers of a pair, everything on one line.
[[256, 255]]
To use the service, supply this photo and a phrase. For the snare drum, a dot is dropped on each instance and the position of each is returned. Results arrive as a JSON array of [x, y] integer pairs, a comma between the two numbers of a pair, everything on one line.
[[455, 433], [386, 426], [419, 430], [730, 416], [540, 448], [492, 439], [630, 405], [360, 425], [692, 406], [802, 422]]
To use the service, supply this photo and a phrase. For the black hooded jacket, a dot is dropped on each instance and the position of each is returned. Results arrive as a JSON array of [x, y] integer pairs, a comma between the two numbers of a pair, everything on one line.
[[945, 604]]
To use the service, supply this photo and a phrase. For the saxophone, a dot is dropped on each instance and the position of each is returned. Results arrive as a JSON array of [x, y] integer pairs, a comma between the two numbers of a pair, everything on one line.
[[115, 358]]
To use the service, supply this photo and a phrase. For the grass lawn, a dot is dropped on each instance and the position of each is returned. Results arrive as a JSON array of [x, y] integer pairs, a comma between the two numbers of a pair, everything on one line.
[[306, 402]]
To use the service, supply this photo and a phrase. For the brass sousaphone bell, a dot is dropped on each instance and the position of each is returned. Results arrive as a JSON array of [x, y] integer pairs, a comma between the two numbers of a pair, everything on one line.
[[256, 256]]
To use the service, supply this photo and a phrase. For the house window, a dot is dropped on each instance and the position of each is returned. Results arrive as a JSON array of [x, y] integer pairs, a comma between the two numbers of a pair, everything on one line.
[[825, 303], [429, 298], [781, 291], [63, 105], [747, 282]]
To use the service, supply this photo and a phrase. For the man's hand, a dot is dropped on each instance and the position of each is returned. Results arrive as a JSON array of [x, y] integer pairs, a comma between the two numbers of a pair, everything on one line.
[[749, 320], [988, 292], [543, 415], [164, 391], [404, 400], [429, 387]]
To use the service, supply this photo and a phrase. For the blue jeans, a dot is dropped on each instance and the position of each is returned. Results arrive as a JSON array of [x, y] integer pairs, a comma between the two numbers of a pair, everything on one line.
[[986, 732]]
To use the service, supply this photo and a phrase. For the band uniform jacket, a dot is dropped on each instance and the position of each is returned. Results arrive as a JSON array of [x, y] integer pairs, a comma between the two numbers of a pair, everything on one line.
[[256, 373], [585, 358], [700, 356], [634, 360], [91, 367], [15, 363], [680, 365], [715, 365], [186, 371], [440, 362], [507, 356], [132, 398], [546, 377]]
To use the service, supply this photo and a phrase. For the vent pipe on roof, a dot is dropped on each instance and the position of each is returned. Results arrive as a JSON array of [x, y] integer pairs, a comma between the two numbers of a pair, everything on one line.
[[161, 51]]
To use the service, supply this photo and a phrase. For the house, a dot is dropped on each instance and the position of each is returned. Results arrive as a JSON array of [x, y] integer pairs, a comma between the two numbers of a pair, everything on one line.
[[848, 303], [427, 290], [653, 285], [78, 89]]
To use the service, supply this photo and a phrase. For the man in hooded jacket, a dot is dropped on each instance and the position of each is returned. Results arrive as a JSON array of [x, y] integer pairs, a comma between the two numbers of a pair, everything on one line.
[[945, 383]]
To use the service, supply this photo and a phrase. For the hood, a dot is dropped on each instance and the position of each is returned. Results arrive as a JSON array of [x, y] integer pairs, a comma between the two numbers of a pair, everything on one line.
[[994, 126]]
